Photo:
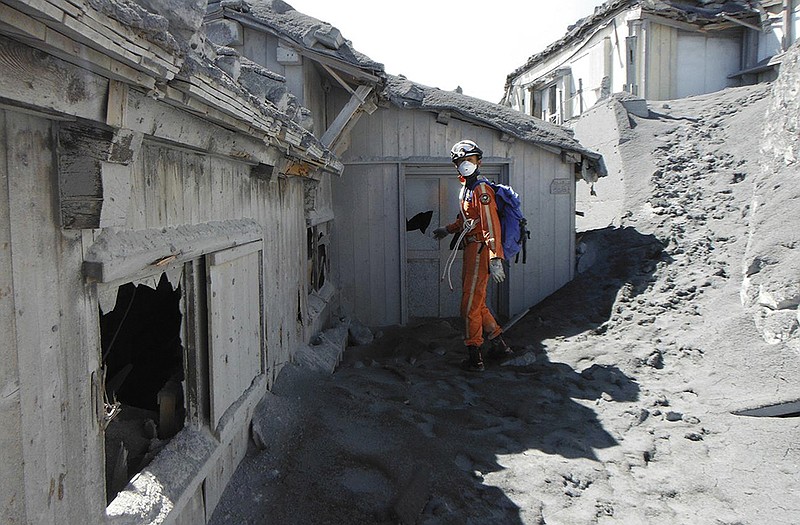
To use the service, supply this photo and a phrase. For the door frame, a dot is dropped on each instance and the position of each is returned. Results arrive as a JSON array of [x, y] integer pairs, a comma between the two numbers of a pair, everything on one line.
[[495, 168]]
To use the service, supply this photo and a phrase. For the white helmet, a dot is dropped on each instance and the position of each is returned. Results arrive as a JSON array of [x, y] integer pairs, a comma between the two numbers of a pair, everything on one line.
[[465, 148]]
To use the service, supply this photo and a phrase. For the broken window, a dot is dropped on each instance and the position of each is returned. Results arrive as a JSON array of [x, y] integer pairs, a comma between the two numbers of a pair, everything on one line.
[[318, 264], [553, 114], [181, 349], [537, 110], [142, 355]]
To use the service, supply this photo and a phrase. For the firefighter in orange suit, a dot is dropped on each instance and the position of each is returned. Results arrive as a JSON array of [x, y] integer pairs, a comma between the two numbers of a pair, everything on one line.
[[479, 228]]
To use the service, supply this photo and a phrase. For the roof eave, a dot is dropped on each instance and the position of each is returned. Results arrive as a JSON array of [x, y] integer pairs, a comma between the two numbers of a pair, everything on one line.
[[357, 71]]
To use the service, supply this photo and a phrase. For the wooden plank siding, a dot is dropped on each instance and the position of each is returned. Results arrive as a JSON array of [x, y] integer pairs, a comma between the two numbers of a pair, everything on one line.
[[171, 188], [234, 282], [52, 406], [35, 270], [12, 498], [50, 316], [662, 62], [365, 249], [368, 256]]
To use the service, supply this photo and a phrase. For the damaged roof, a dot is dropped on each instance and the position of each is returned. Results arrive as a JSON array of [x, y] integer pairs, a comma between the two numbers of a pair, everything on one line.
[[406, 94], [305, 31], [310, 33], [697, 12], [177, 64]]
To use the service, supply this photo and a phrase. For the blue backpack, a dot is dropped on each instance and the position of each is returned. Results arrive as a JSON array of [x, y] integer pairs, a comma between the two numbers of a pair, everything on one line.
[[512, 222]]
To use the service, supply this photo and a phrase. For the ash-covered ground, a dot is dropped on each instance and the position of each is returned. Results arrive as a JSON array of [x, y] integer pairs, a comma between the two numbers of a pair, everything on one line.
[[620, 405]]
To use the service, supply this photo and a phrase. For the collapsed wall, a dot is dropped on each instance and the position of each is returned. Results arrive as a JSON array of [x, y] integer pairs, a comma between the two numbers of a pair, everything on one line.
[[771, 287]]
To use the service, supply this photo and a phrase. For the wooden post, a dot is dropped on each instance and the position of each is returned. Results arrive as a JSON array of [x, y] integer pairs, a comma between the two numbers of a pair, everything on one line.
[[94, 174], [168, 413]]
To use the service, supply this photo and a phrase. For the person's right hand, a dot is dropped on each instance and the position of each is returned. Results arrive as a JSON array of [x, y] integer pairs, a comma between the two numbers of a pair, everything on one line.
[[440, 233], [496, 270]]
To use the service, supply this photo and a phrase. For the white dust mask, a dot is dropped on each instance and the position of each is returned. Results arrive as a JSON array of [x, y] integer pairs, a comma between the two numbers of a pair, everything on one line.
[[466, 168]]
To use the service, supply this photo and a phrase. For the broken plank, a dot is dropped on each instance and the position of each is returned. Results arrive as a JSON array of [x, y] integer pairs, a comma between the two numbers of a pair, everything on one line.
[[69, 8], [214, 90], [38, 9], [115, 31], [74, 52], [217, 101], [123, 37], [86, 35], [106, 261], [22, 23], [193, 92]]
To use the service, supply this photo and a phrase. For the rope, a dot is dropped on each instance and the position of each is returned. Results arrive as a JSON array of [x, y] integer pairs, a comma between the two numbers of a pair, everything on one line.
[[469, 224]]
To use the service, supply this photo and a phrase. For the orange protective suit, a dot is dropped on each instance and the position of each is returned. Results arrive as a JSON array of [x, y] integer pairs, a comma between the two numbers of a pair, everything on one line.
[[482, 243]]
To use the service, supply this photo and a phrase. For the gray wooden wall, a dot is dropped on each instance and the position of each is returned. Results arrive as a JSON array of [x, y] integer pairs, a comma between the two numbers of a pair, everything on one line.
[[173, 187], [365, 242], [52, 445], [369, 253]]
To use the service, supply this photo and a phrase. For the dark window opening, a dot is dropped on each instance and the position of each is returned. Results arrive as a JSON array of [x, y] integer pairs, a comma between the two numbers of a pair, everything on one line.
[[552, 105], [300, 310], [322, 266], [317, 255], [534, 108], [142, 355]]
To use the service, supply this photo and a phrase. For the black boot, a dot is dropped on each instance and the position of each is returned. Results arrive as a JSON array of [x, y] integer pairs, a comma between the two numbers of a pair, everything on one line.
[[498, 349], [475, 362]]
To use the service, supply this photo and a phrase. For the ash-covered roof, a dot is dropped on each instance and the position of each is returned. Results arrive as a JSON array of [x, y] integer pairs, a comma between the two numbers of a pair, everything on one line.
[[218, 77], [697, 12], [409, 95], [306, 31], [311, 33]]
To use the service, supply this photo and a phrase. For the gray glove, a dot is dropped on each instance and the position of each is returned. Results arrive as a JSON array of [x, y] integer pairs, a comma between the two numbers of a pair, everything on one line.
[[440, 233], [496, 270]]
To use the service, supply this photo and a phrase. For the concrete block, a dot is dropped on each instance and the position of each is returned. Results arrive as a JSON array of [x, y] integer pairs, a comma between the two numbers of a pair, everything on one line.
[[263, 86], [636, 106], [230, 64], [360, 334], [329, 36], [327, 350]]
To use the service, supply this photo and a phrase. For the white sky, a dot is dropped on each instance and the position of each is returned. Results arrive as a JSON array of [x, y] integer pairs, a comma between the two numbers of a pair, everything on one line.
[[474, 44]]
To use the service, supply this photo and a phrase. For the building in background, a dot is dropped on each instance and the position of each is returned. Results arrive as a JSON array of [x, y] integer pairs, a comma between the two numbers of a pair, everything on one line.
[[394, 137], [398, 167], [655, 50]]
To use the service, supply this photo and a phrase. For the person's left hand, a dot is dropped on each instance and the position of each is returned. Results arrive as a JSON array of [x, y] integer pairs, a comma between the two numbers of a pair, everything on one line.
[[440, 233], [496, 270]]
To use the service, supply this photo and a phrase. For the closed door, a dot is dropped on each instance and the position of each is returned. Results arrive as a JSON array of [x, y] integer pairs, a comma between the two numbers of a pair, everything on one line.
[[428, 292]]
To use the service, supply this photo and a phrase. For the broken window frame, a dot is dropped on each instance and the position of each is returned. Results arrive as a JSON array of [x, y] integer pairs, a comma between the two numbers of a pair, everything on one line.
[[105, 271], [111, 408]]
